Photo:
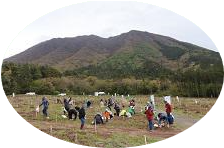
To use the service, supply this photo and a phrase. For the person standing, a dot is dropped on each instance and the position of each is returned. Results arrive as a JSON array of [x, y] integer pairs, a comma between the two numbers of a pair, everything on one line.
[[149, 114], [82, 115], [45, 104], [168, 108]]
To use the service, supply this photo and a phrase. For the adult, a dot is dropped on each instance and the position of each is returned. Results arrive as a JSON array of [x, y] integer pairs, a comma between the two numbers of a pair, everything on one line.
[[132, 102], [149, 114], [45, 105], [66, 106], [131, 110], [107, 115], [150, 104], [101, 103], [110, 103], [88, 103], [168, 109], [117, 108], [69, 110], [98, 119], [71, 102], [162, 119], [82, 115], [72, 114], [123, 112]]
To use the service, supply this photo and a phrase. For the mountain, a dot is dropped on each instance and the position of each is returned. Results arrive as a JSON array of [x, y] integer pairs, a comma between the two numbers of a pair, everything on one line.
[[135, 50]]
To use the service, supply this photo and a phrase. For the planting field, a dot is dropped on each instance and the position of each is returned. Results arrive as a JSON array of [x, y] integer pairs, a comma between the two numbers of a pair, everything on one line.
[[118, 132]]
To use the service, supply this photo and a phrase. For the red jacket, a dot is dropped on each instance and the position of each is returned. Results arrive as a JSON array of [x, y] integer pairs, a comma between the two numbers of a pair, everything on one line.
[[149, 114], [168, 108]]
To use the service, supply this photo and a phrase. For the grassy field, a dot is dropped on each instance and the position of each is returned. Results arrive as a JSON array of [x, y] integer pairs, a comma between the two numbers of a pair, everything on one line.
[[118, 132]]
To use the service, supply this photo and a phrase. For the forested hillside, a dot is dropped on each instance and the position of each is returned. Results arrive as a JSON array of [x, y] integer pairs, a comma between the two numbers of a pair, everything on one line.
[[131, 63]]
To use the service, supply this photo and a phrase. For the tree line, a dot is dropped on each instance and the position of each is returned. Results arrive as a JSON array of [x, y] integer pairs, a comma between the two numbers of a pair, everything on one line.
[[193, 82]]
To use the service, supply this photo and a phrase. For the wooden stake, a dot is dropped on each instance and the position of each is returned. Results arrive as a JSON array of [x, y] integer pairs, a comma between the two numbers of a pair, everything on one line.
[[56, 117], [76, 137], [51, 129], [95, 125], [145, 139]]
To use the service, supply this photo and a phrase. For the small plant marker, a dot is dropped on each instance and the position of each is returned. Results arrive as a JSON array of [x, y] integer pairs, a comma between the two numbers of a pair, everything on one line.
[[56, 117], [76, 137], [51, 129], [95, 125], [145, 139]]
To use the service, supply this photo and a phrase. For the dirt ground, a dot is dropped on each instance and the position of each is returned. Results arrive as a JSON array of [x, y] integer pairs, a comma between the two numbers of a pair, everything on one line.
[[118, 132]]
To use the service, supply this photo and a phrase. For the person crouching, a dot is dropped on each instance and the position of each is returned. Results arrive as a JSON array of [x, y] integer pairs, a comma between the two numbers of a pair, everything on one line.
[[117, 108], [98, 119], [107, 115], [162, 119]]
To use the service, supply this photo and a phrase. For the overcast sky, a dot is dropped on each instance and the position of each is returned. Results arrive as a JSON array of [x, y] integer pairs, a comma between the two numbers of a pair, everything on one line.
[[107, 19]]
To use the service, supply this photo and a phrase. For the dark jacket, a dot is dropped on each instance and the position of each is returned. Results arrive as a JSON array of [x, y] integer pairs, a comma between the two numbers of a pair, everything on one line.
[[88, 104], [117, 107], [110, 102], [98, 119], [82, 113], [66, 105], [162, 116]]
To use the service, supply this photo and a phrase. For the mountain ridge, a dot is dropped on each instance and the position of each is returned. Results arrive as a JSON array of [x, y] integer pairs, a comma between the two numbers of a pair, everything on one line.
[[82, 51]]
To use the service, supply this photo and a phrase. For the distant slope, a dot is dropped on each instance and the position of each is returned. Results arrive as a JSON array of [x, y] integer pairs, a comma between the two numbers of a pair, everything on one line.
[[135, 49]]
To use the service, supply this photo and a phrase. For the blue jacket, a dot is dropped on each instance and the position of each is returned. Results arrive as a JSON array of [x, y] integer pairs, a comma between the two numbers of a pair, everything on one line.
[[45, 103]]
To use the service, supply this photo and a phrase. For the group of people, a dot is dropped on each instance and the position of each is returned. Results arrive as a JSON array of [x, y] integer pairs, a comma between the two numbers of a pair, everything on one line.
[[72, 112], [162, 118], [119, 110], [67, 109]]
